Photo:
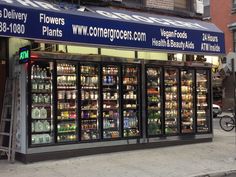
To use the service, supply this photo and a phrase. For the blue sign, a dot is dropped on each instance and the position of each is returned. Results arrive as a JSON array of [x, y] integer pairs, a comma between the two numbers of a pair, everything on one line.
[[109, 29]]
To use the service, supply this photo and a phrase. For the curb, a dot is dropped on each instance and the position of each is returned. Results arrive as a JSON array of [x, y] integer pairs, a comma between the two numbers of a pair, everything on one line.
[[220, 174]]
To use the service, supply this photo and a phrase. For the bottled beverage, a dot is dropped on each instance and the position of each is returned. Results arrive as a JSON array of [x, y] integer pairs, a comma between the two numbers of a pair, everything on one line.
[[33, 72], [37, 72], [47, 85], [34, 85], [41, 85]]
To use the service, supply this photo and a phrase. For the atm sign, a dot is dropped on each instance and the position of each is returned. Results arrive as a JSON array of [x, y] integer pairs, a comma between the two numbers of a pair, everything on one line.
[[24, 54]]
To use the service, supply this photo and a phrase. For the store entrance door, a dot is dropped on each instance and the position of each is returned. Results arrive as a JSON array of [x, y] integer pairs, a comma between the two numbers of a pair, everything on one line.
[[2, 81]]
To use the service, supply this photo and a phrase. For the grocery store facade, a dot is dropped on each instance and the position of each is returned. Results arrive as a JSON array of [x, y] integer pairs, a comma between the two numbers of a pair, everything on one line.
[[109, 87]]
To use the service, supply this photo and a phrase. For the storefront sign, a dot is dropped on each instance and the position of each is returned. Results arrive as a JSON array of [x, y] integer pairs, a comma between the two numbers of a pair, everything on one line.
[[43, 21], [24, 54]]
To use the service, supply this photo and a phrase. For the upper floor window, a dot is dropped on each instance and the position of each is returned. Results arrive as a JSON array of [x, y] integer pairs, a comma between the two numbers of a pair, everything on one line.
[[180, 4], [234, 4], [234, 40]]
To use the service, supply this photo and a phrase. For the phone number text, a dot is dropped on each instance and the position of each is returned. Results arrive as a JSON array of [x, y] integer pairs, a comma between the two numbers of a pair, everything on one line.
[[12, 28]]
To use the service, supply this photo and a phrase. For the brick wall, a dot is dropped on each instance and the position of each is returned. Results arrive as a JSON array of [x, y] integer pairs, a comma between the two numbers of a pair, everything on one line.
[[160, 4], [221, 16]]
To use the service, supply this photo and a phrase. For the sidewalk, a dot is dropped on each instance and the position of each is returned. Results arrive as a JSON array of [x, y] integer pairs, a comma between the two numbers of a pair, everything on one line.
[[178, 161]]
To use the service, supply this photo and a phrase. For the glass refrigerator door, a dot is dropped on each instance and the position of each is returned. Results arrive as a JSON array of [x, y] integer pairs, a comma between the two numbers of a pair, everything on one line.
[[42, 130], [187, 109], [130, 101], [154, 101], [89, 81], [171, 101], [111, 102], [66, 103], [202, 101]]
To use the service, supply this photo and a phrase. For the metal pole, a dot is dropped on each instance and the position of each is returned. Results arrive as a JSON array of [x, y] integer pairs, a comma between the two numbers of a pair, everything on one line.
[[234, 86]]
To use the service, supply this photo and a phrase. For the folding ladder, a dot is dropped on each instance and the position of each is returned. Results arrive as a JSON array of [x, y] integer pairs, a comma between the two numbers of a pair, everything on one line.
[[8, 120]]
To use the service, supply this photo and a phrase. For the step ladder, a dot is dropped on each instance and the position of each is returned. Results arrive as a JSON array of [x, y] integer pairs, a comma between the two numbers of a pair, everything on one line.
[[8, 120]]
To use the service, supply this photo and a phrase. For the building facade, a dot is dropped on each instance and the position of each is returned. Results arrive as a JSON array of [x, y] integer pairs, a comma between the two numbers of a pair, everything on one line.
[[108, 76], [227, 25]]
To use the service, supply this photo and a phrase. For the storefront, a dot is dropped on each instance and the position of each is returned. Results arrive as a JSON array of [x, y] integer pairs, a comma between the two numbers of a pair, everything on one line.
[[84, 104]]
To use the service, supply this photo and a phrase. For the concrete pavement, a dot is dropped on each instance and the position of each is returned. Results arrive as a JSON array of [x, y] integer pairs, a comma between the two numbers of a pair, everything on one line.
[[216, 157]]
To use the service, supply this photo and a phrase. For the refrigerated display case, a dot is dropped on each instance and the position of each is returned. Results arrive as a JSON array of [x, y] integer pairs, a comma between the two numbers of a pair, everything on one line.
[[171, 100], [203, 107], [40, 104], [187, 100], [111, 110], [131, 101], [90, 105], [88, 102], [67, 108], [154, 103]]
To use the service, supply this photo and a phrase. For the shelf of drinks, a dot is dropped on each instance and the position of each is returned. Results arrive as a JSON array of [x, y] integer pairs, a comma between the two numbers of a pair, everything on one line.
[[89, 99], [110, 84], [67, 89], [67, 109], [39, 133], [154, 109], [67, 120], [187, 123], [89, 74], [65, 100], [67, 132], [41, 140], [171, 126], [201, 118], [40, 78], [170, 120], [89, 129], [157, 76], [36, 119], [202, 92], [130, 99], [130, 75], [108, 90], [46, 105], [111, 99], [111, 129], [171, 84], [89, 89], [66, 138], [204, 80], [153, 93], [153, 86], [129, 90], [171, 109], [41, 91], [109, 134], [89, 109], [129, 133], [89, 118], [110, 109], [202, 105], [131, 84], [111, 74], [128, 128], [111, 118], [130, 108], [66, 74]]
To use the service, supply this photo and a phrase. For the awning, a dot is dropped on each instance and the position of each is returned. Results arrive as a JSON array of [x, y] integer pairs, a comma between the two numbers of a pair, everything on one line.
[[41, 20]]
